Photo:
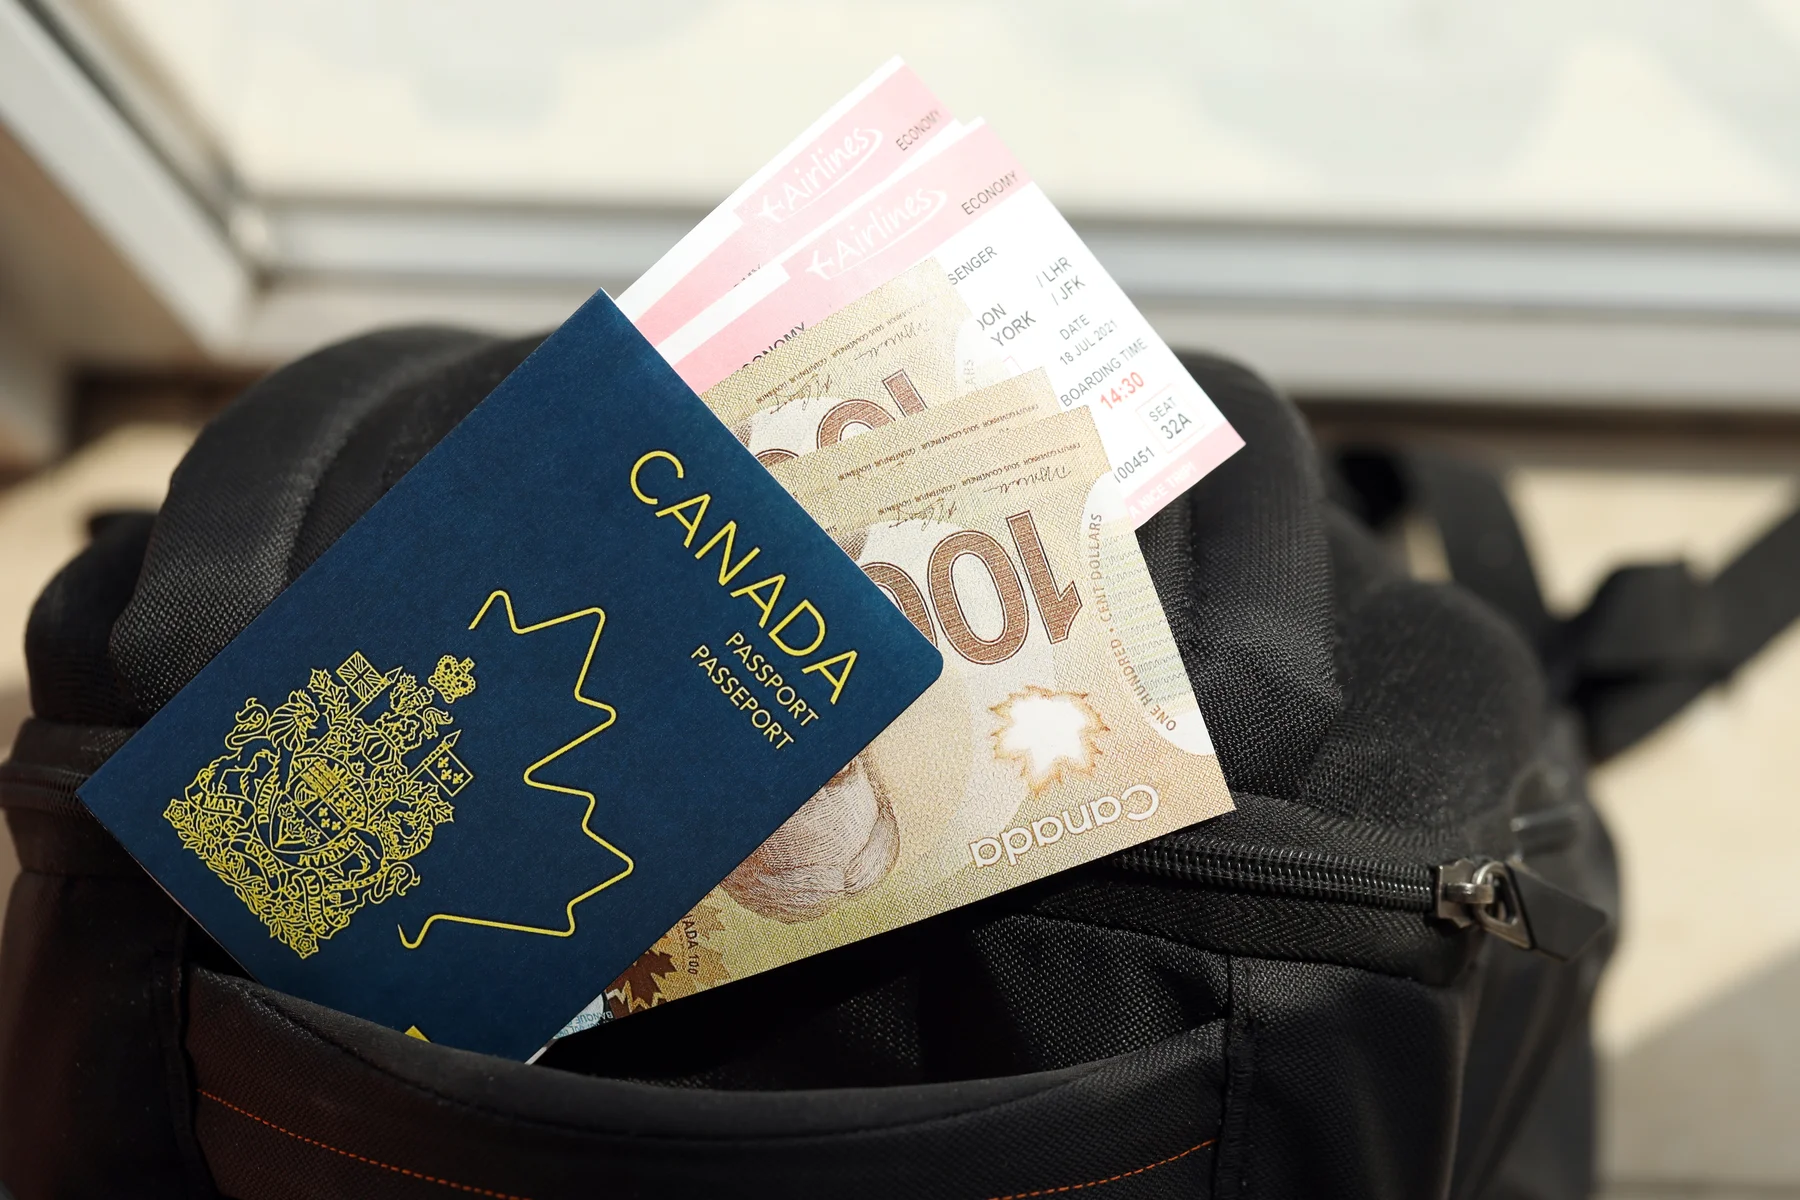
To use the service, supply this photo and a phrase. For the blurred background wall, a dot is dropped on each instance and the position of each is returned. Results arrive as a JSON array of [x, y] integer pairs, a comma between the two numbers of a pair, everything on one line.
[[1563, 235], [1580, 200]]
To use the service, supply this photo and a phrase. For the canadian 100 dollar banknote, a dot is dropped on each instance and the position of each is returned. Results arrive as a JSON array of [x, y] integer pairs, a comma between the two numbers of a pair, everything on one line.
[[907, 346], [1063, 727]]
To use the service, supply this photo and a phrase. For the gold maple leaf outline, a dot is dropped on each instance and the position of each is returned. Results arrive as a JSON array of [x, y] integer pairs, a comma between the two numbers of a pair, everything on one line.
[[612, 714], [1062, 766]]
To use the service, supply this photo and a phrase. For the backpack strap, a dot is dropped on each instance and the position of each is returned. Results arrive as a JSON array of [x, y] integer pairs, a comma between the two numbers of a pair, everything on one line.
[[1655, 637], [1652, 638]]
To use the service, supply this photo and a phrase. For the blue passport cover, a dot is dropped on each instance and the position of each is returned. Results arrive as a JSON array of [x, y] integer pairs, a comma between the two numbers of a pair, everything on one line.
[[462, 772]]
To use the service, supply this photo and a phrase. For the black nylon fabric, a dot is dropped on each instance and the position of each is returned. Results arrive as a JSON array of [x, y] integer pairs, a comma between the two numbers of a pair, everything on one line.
[[223, 543], [92, 1074], [1101, 1029], [1140, 1124], [1445, 710], [1244, 573], [73, 677], [1349, 1079]]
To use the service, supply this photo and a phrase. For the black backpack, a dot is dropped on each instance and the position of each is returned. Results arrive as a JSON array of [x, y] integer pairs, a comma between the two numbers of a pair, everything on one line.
[[1371, 980]]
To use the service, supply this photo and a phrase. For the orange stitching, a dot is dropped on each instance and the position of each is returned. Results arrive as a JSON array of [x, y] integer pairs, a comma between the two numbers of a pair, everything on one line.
[[373, 1162], [493, 1195], [1076, 1187]]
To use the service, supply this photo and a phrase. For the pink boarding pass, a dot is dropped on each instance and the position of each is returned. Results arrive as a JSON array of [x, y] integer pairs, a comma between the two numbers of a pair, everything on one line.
[[876, 130], [1038, 295]]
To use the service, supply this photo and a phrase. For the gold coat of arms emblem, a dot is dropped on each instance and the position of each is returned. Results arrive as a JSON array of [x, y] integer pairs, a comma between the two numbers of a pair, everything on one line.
[[318, 805]]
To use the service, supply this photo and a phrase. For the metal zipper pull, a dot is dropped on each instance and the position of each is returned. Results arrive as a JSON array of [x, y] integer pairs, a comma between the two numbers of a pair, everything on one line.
[[1518, 906]]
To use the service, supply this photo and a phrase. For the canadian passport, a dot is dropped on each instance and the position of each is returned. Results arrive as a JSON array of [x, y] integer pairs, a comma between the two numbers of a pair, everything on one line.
[[570, 671]]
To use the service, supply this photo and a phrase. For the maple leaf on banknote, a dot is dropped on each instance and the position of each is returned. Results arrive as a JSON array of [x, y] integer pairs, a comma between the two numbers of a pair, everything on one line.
[[637, 988], [1049, 734], [683, 961]]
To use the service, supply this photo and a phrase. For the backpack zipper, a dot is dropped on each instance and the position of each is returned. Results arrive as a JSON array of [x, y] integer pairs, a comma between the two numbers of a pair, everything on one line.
[[1506, 898], [1286, 871]]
